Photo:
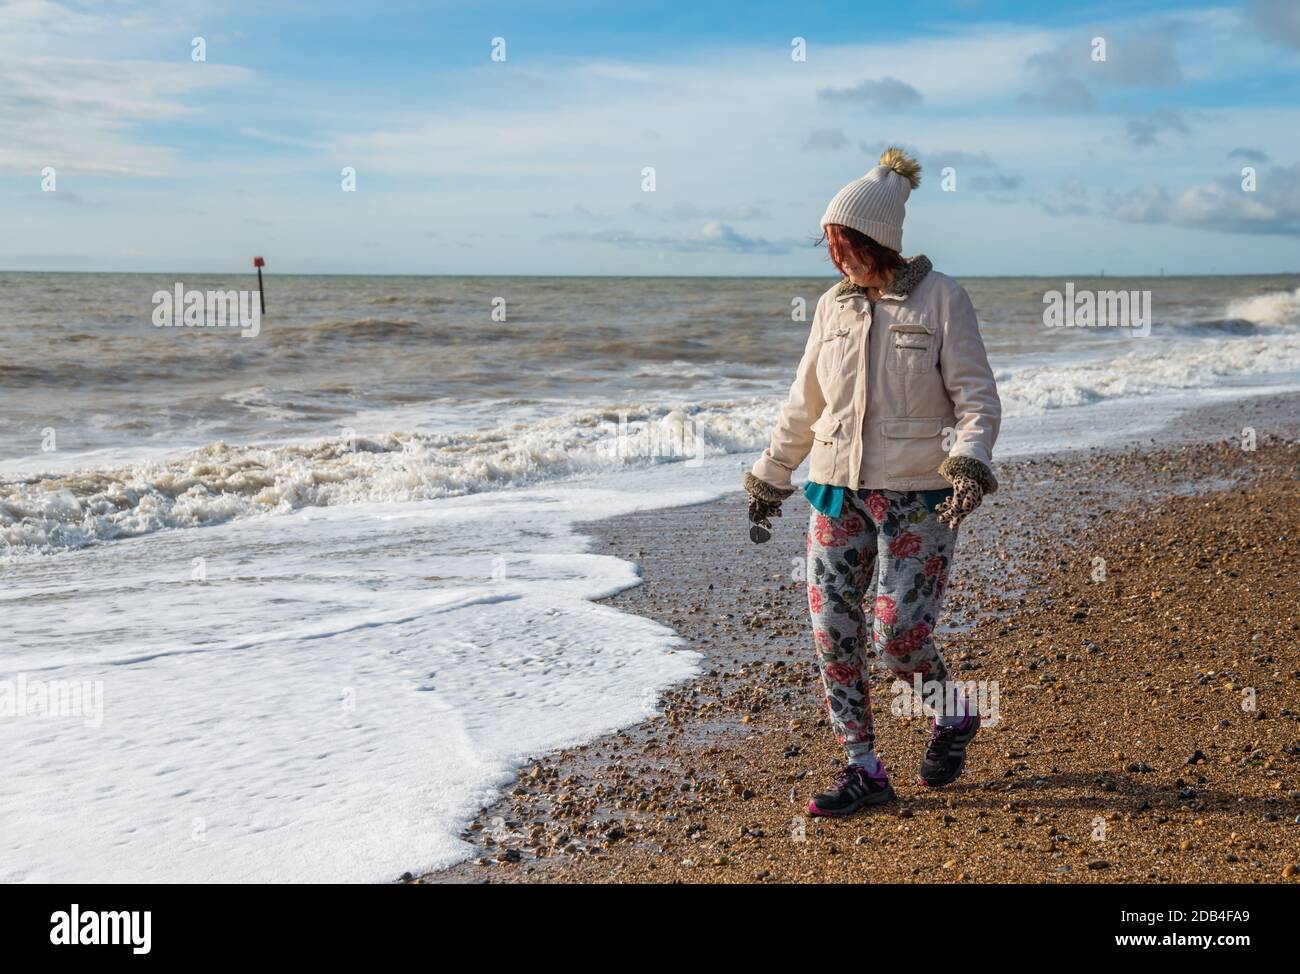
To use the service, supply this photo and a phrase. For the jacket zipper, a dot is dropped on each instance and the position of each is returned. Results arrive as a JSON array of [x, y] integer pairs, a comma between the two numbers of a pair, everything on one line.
[[860, 399]]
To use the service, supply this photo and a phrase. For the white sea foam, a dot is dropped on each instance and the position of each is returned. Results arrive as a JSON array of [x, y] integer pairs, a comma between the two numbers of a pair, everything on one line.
[[337, 698], [1274, 308], [1146, 368], [221, 482]]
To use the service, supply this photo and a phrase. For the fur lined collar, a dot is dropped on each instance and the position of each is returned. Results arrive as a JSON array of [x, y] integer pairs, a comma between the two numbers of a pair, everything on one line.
[[904, 282]]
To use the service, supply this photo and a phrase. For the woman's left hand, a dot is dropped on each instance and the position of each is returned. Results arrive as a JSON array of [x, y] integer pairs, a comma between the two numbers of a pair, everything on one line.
[[970, 480], [966, 496]]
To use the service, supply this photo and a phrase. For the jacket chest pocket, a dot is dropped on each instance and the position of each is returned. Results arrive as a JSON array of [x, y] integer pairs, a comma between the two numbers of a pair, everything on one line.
[[912, 344]]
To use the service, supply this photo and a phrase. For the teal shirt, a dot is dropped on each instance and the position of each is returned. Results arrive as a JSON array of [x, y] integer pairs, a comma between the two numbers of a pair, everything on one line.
[[829, 500]]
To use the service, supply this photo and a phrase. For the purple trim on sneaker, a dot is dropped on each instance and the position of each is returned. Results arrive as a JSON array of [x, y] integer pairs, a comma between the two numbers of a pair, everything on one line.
[[854, 778]]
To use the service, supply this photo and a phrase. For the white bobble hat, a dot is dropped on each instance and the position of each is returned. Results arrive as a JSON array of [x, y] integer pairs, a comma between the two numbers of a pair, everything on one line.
[[874, 204]]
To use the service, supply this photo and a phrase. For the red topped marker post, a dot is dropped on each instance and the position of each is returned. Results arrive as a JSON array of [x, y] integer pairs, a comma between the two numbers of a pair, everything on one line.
[[261, 295]]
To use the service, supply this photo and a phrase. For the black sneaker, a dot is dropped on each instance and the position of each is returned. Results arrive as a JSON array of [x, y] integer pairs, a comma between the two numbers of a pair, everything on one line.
[[945, 757], [854, 788]]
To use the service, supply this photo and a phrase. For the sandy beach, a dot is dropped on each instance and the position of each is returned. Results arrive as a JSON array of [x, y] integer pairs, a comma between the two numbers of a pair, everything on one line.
[[1149, 723]]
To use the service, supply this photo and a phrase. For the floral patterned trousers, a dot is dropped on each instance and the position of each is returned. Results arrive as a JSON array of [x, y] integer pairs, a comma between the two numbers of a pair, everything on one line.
[[876, 576]]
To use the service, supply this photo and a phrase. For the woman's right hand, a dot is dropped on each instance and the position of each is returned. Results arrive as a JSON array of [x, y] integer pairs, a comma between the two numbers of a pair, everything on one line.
[[764, 504]]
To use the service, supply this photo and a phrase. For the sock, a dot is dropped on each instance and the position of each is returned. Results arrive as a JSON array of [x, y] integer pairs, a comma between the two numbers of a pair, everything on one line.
[[958, 714], [868, 760]]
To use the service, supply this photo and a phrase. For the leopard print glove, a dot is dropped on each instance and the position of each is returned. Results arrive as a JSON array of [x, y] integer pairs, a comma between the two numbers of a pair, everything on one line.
[[764, 504], [970, 480]]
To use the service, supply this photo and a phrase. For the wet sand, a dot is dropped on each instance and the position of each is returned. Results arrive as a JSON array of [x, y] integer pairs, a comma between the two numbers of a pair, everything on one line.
[[1135, 609]]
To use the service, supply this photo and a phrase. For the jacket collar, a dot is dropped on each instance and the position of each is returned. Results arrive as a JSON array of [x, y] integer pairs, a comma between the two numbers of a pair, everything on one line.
[[901, 286]]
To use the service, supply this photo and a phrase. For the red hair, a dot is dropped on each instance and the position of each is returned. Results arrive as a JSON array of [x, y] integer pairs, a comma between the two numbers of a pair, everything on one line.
[[842, 241]]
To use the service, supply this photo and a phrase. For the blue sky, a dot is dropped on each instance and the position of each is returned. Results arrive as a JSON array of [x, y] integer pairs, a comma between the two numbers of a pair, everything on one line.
[[533, 165]]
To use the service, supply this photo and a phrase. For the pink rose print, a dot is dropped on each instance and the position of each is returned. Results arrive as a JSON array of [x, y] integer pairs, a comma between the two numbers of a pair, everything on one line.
[[815, 600], [824, 528], [886, 610], [877, 506], [933, 566], [842, 673], [907, 544], [851, 526], [918, 634], [909, 642], [824, 641]]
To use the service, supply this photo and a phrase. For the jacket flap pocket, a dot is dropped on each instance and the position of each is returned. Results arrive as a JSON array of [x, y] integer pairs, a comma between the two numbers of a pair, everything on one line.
[[826, 426], [911, 428], [915, 324]]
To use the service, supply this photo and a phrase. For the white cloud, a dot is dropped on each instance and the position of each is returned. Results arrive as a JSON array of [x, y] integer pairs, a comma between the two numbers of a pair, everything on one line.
[[79, 114], [885, 94], [1276, 20], [713, 236], [1146, 131], [1273, 208]]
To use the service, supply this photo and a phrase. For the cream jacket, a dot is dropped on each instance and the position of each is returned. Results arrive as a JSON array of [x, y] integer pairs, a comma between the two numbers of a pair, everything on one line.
[[886, 421]]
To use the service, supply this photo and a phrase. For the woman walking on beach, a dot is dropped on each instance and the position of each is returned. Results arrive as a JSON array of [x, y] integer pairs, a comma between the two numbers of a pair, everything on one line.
[[896, 402]]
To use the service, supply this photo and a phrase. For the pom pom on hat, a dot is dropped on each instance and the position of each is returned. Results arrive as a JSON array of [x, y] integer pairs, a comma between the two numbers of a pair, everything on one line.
[[896, 159]]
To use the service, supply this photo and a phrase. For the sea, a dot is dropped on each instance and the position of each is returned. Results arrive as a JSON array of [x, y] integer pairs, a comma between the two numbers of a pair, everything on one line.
[[293, 606]]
